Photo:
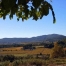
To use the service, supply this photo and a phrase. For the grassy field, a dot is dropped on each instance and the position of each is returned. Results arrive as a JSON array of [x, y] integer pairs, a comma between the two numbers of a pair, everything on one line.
[[18, 51]]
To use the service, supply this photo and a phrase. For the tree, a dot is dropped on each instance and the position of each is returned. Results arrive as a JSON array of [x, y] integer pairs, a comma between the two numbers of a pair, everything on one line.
[[25, 9], [28, 46], [58, 51]]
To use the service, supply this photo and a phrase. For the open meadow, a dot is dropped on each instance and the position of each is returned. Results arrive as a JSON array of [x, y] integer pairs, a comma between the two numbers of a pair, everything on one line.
[[18, 51], [30, 57]]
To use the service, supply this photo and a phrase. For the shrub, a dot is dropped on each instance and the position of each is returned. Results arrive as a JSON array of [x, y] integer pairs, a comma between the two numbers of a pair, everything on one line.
[[17, 63], [9, 58], [6, 63], [58, 51]]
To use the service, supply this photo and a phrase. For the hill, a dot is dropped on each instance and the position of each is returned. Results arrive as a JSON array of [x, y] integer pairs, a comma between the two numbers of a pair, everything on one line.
[[50, 37]]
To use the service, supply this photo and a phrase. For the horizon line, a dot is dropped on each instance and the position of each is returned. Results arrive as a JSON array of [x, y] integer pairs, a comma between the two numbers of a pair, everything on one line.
[[32, 36]]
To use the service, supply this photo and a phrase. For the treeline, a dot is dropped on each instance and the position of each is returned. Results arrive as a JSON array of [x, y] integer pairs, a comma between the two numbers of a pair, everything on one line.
[[26, 46], [31, 45], [21, 45], [10, 45]]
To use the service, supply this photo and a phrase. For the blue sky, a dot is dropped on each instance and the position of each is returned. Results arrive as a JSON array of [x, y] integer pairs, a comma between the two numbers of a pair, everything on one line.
[[31, 28]]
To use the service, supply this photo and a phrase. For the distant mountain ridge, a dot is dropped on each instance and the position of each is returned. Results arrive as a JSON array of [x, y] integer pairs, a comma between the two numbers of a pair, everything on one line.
[[50, 37]]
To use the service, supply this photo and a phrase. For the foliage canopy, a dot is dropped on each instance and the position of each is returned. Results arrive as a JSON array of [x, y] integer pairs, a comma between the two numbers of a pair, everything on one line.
[[25, 9]]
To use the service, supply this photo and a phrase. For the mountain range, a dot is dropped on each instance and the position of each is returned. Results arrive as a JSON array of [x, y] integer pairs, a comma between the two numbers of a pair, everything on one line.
[[50, 37]]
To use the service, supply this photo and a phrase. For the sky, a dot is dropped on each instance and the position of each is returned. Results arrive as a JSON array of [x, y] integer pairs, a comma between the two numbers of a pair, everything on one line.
[[31, 28]]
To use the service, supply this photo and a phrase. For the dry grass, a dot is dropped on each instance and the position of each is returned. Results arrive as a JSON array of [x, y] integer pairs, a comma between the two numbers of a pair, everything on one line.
[[11, 49], [20, 51], [64, 49]]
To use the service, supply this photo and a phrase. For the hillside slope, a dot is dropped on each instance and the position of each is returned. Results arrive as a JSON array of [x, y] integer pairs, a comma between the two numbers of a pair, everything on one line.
[[50, 37]]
